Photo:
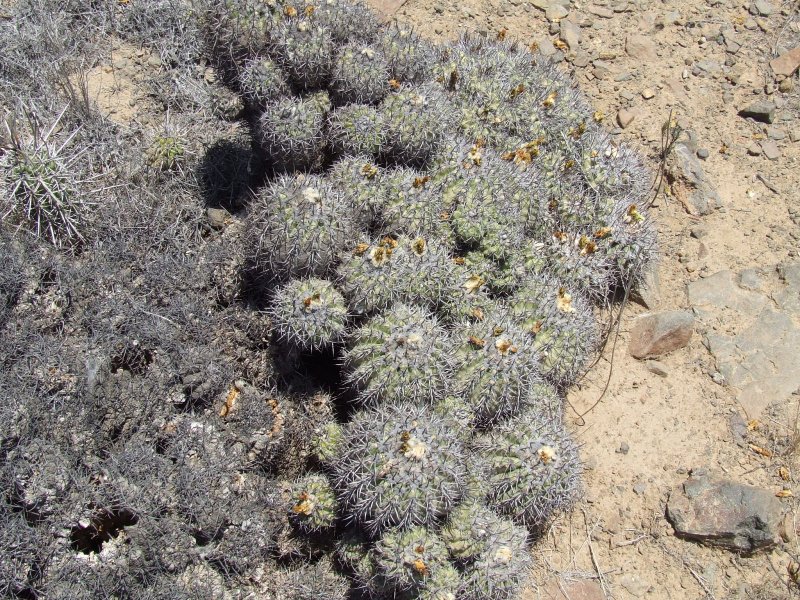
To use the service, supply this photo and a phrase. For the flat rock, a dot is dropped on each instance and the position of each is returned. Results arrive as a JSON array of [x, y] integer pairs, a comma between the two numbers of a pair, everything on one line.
[[723, 513], [689, 182], [601, 11], [659, 333], [721, 290], [763, 111], [556, 12], [761, 8], [570, 33], [641, 47], [625, 117], [771, 150], [786, 64]]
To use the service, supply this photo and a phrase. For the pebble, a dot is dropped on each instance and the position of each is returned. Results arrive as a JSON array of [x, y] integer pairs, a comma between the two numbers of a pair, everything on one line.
[[624, 448], [555, 12], [698, 232], [753, 149], [601, 11], [625, 117], [702, 153], [657, 368], [794, 135], [771, 150], [648, 93], [774, 133], [639, 488], [761, 8], [570, 33], [786, 64]]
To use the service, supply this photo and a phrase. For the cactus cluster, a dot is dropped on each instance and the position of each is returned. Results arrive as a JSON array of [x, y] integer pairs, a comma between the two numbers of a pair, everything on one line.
[[426, 233], [469, 214]]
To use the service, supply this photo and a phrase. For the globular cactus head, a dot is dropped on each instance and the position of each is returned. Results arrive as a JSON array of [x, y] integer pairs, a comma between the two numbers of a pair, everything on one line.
[[326, 443], [261, 81], [413, 563], [355, 130], [400, 354], [360, 75], [314, 506], [400, 465], [412, 269], [411, 205], [417, 118], [562, 323], [347, 20], [497, 366], [298, 226], [304, 49], [491, 550], [358, 179], [531, 468], [310, 314], [411, 59], [290, 132]]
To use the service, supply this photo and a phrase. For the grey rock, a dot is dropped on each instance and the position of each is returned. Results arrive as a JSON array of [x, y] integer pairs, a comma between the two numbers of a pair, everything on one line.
[[657, 368], [771, 150], [794, 135], [702, 153], [601, 11], [774, 133], [738, 427], [647, 291], [625, 117], [541, 4], [754, 149], [624, 448], [721, 290], [639, 488], [761, 8], [723, 513], [763, 111], [570, 33], [556, 12], [688, 180], [641, 48], [659, 333], [749, 279], [698, 232]]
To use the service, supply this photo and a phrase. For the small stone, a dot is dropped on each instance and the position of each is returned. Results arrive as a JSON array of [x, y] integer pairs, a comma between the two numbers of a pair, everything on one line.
[[724, 513], [648, 93], [581, 59], [659, 333], [601, 11], [754, 149], [774, 133], [698, 232], [624, 448], [657, 368], [555, 12], [639, 488], [771, 150], [690, 182], [641, 47], [570, 33], [761, 8], [541, 4], [546, 48], [762, 111], [702, 153], [625, 117], [794, 135], [786, 85]]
